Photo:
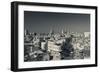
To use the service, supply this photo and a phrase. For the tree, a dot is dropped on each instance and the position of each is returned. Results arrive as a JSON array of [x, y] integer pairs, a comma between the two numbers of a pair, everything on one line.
[[67, 49]]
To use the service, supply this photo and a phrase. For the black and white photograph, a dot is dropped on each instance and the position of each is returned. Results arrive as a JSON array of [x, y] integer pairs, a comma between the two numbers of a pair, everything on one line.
[[56, 36], [52, 36]]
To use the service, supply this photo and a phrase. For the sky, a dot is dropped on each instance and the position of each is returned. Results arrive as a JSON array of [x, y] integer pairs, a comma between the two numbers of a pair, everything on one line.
[[43, 22]]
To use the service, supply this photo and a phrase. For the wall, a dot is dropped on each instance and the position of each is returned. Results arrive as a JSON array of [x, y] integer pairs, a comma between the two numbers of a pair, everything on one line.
[[5, 17]]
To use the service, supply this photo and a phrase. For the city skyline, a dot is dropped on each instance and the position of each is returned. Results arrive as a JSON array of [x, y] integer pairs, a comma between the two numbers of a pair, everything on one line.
[[43, 22]]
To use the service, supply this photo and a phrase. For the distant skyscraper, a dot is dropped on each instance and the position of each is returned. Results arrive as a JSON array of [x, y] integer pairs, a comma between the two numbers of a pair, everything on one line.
[[62, 31], [51, 32], [26, 32]]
